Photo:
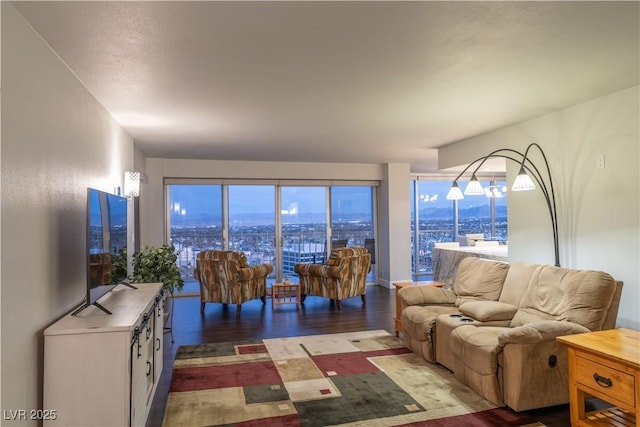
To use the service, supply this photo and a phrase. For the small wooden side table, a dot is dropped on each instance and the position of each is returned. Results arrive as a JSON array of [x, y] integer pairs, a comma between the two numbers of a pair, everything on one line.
[[606, 365], [285, 293], [397, 323]]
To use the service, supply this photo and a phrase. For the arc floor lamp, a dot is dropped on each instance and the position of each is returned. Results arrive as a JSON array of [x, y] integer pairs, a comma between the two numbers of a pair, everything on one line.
[[522, 182]]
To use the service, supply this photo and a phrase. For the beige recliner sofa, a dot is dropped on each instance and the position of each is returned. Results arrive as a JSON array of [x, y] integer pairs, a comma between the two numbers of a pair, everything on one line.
[[476, 280], [504, 348]]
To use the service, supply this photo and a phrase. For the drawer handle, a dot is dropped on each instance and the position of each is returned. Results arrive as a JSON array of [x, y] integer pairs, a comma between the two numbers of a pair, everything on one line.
[[602, 381]]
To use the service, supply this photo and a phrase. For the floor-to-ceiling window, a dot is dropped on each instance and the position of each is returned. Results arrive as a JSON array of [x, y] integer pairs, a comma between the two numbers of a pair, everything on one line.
[[252, 222], [282, 224], [436, 219], [303, 218], [432, 221], [352, 219], [195, 219], [485, 214]]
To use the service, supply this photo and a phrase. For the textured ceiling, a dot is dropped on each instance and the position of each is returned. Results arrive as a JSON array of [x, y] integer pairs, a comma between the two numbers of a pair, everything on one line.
[[370, 82]]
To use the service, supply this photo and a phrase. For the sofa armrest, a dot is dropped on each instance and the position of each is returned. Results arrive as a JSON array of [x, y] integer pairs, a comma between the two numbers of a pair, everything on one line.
[[487, 311], [255, 271], [318, 270], [537, 332], [426, 295]]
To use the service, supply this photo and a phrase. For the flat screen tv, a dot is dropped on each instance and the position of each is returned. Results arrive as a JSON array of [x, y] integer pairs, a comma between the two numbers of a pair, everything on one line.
[[106, 245]]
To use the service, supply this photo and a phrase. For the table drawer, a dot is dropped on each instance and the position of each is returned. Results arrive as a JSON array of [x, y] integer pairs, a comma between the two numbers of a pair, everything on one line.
[[611, 382]]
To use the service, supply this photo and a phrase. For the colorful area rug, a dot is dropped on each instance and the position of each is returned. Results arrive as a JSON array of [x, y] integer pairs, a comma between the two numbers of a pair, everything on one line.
[[348, 379]]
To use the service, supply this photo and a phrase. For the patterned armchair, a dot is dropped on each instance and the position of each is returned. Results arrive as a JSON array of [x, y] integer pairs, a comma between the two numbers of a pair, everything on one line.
[[344, 275], [225, 277]]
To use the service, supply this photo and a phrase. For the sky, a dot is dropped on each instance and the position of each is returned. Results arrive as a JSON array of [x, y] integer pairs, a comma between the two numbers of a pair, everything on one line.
[[196, 200]]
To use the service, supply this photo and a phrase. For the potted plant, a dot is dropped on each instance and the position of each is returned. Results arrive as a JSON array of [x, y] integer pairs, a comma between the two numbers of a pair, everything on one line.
[[157, 264]]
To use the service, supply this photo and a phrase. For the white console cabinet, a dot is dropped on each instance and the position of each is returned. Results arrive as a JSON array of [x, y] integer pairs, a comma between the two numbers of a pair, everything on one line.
[[103, 369]]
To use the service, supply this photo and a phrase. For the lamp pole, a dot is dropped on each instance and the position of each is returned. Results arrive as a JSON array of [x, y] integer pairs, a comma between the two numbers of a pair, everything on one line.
[[527, 167]]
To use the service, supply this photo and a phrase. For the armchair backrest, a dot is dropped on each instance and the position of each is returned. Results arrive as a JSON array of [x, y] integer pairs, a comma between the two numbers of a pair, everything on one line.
[[236, 256], [226, 277], [338, 255], [219, 267], [355, 262]]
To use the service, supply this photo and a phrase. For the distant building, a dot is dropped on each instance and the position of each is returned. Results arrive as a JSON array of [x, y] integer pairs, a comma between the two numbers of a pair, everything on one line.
[[306, 253]]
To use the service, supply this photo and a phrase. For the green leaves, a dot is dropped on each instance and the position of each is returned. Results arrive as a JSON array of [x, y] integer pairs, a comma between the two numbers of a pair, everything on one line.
[[157, 264]]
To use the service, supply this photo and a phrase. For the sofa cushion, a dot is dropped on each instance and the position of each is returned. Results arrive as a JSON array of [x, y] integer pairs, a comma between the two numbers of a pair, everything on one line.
[[418, 321], [555, 293], [478, 348], [487, 311], [517, 281], [537, 332], [479, 279], [426, 295]]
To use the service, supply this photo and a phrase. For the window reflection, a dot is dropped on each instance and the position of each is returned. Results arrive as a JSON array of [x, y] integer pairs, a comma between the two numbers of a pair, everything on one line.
[[433, 218]]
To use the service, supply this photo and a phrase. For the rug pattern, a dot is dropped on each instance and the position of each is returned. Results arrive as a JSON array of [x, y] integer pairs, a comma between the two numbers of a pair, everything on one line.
[[348, 379]]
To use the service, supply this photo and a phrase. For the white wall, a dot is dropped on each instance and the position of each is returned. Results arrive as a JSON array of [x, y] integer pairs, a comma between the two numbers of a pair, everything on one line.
[[598, 209], [56, 141], [394, 209]]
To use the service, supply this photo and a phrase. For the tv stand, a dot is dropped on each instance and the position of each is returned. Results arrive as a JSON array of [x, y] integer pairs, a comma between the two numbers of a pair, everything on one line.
[[103, 370], [97, 304], [83, 306], [126, 283]]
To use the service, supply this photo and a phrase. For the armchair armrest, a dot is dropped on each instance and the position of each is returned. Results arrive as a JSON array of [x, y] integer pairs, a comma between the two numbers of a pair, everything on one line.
[[426, 295], [537, 332], [255, 271], [319, 270]]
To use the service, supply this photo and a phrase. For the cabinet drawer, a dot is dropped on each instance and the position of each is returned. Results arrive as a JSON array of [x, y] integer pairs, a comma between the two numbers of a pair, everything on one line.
[[609, 381]]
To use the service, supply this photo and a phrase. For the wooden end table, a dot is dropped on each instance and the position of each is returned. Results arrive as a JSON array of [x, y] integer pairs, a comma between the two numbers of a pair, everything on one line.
[[285, 293], [605, 365], [397, 323]]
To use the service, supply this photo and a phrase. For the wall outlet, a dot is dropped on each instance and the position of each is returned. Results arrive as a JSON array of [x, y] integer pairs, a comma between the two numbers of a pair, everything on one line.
[[600, 161]]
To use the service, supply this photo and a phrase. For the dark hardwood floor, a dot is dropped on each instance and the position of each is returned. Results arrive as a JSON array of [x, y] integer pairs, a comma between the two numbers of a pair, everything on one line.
[[316, 316]]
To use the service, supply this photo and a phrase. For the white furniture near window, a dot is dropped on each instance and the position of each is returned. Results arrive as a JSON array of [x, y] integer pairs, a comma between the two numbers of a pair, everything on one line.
[[470, 239], [101, 369], [487, 243]]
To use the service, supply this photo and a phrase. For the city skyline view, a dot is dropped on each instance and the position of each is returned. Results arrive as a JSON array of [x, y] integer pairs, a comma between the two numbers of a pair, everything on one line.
[[305, 213], [197, 203]]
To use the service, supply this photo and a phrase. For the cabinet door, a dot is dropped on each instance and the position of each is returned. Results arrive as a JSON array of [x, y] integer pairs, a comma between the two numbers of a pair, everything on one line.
[[159, 339], [150, 343], [139, 373]]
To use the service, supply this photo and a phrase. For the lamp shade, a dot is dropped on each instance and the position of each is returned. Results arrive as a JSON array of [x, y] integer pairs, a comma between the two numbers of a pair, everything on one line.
[[131, 184], [523, 182], [454, 192], [474, 188]]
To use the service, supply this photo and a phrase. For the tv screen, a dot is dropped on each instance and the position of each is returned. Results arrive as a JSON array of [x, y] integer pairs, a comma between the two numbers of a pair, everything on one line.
[[106, 244]]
